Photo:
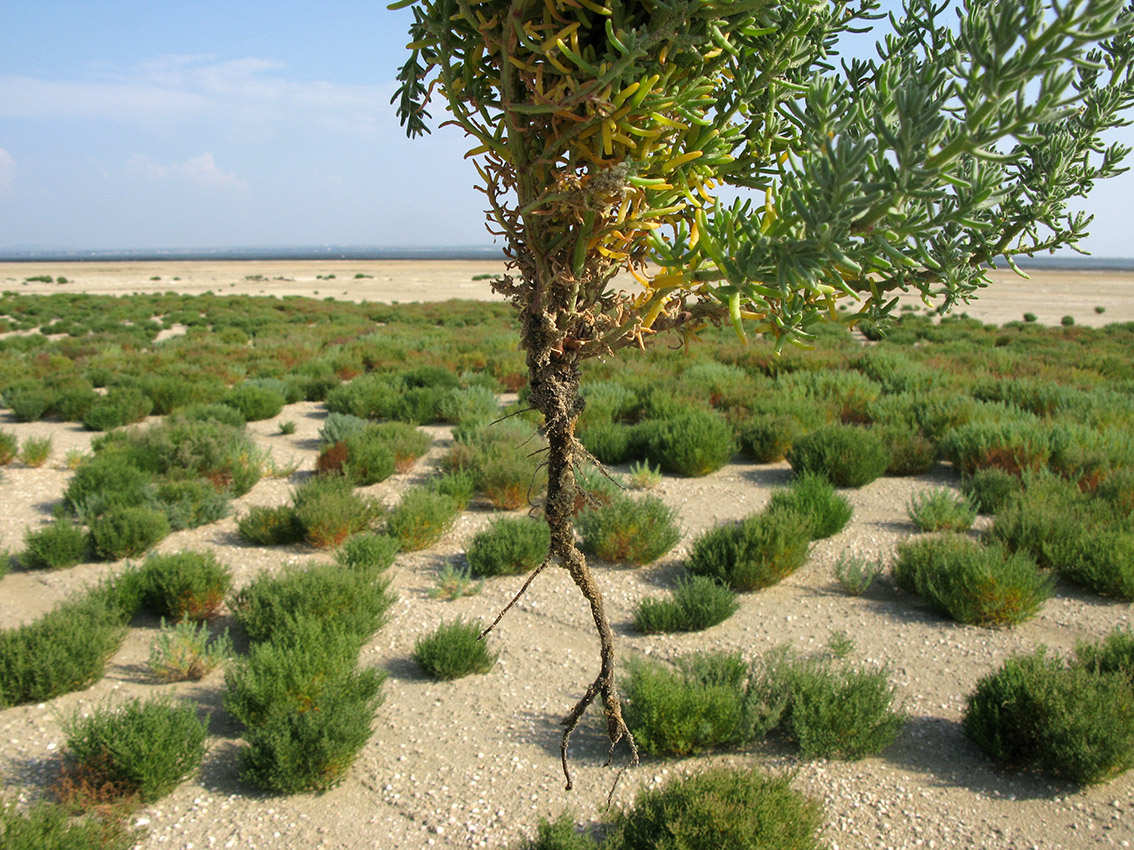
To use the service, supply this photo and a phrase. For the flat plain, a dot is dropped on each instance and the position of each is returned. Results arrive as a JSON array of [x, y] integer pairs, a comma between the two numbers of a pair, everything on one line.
[[474, 763]]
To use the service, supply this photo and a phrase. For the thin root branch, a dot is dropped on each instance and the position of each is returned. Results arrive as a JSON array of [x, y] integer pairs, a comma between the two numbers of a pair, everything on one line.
[[510, 415], [617, 731], [515, 598]]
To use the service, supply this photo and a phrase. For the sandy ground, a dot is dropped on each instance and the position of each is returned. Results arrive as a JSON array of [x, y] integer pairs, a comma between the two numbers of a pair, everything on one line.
[[1050, 295], [474, 763]]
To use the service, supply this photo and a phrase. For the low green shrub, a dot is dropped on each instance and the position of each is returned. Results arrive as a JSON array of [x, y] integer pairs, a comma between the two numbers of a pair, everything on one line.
[[64, 650], [300, 669], [719, 808], [972, 583], [705, 702], [509, 546], [127, 532], [308, 708], [454, 650], [35, 451], [812, 497], [363, 457], [1039, 713], [9, 446], [187, 585], [141, 749], [496, 456], [940, 510], [1080, 536], [767, 438], [55, 546], [105, 481], [351, 600], [405, 441], [458, 486], [308, 750], [191, 502], [51, 826], [1015, 444], [120, 406], [270, 526], [911, 451], [559, 834], [692, 443], [612, 443], [629, 530], [857, 572], [221, 414], [421, 518], [183, 652], [989, 489], [756, 552], [1118, 491], [847, 456], [338, 426], [696, 603], [368, 553], [254, 402], [468, 404], [455, 583], [1114, 654], [30, 404], [329, 511], [1100, 558], [835, 711]]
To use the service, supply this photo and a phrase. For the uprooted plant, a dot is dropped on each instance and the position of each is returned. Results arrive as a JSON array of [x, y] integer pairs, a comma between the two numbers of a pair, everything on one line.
[[602, 128]]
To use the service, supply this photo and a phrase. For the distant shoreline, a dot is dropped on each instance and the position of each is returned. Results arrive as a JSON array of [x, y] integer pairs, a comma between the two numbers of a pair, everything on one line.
[[228, 255], [466, 253]]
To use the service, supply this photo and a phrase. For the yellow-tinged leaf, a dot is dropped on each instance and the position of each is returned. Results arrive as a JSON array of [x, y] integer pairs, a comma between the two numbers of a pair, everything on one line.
[[620, 98], [734, 315], [678, 161], [477, 151], [607, 140], [658, 118], [594, 7]]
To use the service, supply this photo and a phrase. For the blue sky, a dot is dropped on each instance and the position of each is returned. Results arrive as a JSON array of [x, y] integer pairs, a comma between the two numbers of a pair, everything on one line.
[[192, 125]]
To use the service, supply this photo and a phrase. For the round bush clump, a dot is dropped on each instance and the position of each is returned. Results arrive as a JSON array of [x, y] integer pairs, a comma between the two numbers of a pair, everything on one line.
[[270, 526], [628, 530], [61, 544], [696, 603], [421, 518], [940, 510], [127, 532], [143, 749], [692, 443], [767, 438], [254, 402], [721, 808], [813, 497], [756, 552], [988, 490], [186, 585], [454, 650], [847, 456], [911, 451], [367, 553], [510, 546], [974, 584], [329, 511], [1038, 713], [837, 712]]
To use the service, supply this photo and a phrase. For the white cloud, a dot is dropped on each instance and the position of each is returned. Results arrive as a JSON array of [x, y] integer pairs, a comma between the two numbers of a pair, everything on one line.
[[7, 171], [200, 170], [177, 89]]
